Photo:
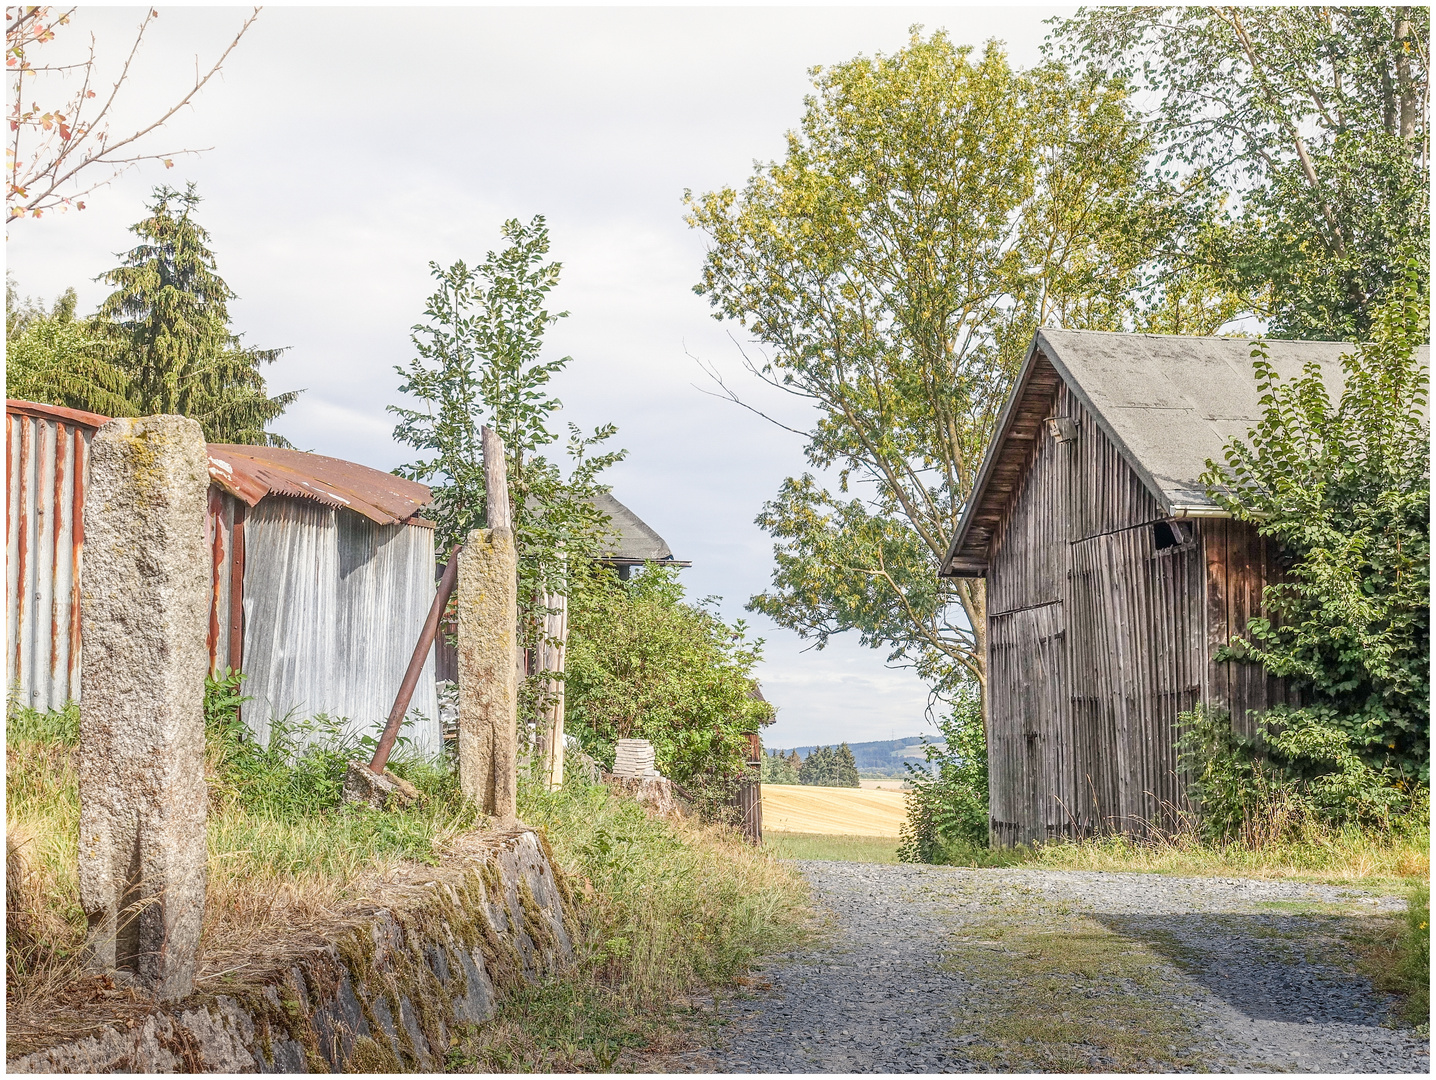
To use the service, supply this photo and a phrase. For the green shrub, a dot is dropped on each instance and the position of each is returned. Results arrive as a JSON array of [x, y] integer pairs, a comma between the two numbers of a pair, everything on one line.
[[947, 805], [1343, 487], [1298, 771], [644, 664]]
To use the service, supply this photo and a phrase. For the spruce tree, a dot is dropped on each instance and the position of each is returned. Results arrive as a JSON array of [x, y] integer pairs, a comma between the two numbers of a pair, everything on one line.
[[845, 773], [167, 327]]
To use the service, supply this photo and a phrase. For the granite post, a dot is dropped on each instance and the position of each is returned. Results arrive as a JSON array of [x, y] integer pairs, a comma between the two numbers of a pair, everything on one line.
[[488, 633], [144, 613]]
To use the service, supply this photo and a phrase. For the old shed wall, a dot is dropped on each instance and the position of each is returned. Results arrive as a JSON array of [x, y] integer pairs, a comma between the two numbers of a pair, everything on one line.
[[1098, 638], [46, 459], [333, 606]]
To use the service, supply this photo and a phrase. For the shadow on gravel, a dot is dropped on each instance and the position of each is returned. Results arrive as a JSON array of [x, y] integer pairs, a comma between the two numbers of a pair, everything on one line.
[[1291, 968]]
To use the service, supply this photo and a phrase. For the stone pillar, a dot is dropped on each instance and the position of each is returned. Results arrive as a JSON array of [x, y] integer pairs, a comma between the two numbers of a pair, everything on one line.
[[144, 613], [488, 679], [488, 637]]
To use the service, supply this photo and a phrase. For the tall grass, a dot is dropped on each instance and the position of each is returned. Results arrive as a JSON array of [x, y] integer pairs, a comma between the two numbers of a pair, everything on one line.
[[284, 853], [667, 910]]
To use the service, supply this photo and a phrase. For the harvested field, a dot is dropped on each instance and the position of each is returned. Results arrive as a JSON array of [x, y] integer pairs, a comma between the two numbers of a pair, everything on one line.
[[833, 811]]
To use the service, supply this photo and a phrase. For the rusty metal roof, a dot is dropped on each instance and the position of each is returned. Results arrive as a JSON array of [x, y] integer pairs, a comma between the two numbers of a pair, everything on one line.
[[55, 412], [252, 472]]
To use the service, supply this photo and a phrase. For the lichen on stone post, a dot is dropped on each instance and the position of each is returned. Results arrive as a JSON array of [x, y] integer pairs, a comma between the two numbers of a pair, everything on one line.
[[488, 681], [144, 613]]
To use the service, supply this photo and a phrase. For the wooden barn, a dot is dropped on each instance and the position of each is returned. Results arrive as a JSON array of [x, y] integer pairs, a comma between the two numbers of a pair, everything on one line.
[[1112, 578]]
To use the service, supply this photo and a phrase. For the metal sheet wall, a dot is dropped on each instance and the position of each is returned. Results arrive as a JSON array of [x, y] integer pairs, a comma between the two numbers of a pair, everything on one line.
[[333, 605], [47, 462]]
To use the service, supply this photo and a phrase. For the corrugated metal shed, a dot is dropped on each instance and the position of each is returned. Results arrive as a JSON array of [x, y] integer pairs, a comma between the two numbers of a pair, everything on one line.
[[47, 458], [322, 574], [1166, 403]]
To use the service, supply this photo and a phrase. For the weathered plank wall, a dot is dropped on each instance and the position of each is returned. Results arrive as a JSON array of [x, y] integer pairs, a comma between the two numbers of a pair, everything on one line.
[[1098, 638]]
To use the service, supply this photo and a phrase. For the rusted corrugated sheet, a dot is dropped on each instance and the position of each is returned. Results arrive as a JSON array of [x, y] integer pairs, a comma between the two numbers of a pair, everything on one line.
[[333, 605], [47, 457], [251, 472]]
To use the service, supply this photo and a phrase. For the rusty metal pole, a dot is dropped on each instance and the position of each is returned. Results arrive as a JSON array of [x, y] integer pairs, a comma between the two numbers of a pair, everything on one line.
[[416, 663]]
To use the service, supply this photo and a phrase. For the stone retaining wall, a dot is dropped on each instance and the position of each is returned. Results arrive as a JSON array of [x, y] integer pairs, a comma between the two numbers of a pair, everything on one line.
[[382, 996]]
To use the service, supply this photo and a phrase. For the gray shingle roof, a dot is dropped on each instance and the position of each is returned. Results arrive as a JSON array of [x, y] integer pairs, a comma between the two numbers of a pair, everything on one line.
[[637, 542], [1168, 403]]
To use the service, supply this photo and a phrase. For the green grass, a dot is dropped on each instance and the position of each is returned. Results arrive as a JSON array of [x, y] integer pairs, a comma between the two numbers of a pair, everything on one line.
[[797, 845], [1397, 957], [282, 849], [666, 910]]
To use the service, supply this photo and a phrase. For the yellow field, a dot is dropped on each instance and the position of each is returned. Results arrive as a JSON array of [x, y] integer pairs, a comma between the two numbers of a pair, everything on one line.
[[834, 811]]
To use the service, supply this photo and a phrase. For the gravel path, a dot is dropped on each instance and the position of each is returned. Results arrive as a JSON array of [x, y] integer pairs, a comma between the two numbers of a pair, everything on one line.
[[941, 969]]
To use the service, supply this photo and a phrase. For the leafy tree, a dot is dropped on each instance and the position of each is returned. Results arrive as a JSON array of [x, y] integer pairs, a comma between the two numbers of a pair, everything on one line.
[[947, 801], [1314, 117], [644, 664], [55, 358], [479, 362], [933, 210], [166, 326], [1343, 487], [779, 768]]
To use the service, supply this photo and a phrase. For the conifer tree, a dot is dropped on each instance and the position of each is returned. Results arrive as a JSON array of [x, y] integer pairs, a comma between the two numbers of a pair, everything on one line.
[[167, 326]]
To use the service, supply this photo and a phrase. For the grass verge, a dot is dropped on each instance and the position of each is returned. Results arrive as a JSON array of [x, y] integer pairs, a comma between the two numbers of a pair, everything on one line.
[[283, 854], [798, 845], [669, 912], [1397, 958]]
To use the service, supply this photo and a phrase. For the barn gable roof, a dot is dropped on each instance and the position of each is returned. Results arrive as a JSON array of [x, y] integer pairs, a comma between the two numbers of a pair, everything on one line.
[[1167, 403], [637, 542]]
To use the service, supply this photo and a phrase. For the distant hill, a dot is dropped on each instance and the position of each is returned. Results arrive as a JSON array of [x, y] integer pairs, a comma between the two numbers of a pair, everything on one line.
[[883, 758]]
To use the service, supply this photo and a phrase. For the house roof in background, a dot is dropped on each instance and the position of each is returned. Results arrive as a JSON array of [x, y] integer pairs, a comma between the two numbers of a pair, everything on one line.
[[637, 542], [1167, 403]]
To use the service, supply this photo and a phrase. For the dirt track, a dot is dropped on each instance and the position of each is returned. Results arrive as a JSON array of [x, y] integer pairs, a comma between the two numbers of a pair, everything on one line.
[[941, 969]]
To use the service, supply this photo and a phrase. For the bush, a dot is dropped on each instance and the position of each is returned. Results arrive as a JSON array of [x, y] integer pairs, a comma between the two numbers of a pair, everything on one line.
[[644, 664], [947, 805], [1344, 489]]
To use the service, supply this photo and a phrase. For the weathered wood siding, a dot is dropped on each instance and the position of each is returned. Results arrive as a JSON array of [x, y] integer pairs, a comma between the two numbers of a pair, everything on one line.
[[1098, 639]]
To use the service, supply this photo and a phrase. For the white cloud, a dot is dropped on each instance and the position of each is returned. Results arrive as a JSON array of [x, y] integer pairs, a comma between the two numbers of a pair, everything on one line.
[[354, 145]]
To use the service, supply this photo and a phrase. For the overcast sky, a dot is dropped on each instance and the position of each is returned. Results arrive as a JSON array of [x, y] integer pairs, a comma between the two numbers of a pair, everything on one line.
[[352, 146]]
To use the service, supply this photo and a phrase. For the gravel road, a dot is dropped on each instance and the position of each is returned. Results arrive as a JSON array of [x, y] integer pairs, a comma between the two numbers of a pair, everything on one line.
[[941, 969]]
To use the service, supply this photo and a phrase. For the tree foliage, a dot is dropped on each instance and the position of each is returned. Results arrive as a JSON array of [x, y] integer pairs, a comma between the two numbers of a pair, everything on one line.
[[53, 357], [829, 766], [933, 209], [166, 326], [1315, 118], [645, 664], [478, 361], [947, 800], [780, 768], [1343, 487]]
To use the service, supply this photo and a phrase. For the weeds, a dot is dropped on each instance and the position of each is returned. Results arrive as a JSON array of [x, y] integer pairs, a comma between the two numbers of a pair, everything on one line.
[[283, 852], [1397, 958], [665, 908]]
